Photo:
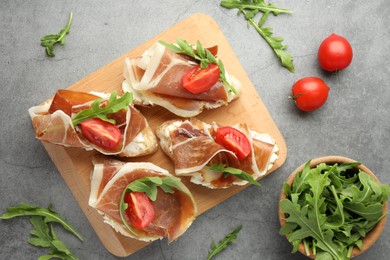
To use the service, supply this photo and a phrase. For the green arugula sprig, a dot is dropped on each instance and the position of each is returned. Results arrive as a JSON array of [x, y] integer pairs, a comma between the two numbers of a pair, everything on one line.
[[250, 8], [43, 234], [48, 214], [114, 105], [149, 186], [223, 244], [204, 56], [48, 41], [329, 208], [240, 174]]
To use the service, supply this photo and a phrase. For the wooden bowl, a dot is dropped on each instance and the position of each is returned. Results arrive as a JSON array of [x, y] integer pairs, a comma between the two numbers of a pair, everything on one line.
[[371, 236]]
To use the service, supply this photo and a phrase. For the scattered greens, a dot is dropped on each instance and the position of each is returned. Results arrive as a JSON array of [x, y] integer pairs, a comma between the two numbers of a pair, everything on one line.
[[149, 186], [250, 8], [240, 174], [48, 41], [43, 234], [223, 244], [114, 105], [330, 208], [204, 56]]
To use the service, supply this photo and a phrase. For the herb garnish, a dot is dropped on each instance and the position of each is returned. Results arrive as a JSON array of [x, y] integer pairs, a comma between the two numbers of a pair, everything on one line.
[[240, 174], [114, 105], [149, 186], [250, 8], [329, 209], [204, 56], [49, 40], [223, 244], [43, 234]]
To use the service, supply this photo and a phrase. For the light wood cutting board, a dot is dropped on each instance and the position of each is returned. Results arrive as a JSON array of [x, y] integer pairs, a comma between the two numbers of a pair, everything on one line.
[[75, 164]]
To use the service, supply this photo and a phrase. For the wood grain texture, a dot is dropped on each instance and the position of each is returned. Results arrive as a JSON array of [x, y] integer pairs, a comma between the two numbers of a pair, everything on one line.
[[75, 164]]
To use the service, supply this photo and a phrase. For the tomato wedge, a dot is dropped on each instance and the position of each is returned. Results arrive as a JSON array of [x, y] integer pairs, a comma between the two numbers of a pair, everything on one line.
[[65, 99], [101, 133], [198, 80], [140, 209], [233, 140]]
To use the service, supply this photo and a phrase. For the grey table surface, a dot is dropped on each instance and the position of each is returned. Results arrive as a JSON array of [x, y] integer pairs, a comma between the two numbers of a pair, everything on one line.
[[355, 121]]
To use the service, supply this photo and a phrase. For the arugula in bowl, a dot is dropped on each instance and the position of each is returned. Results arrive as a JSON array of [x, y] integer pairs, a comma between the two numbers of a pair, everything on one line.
[[328, 210]]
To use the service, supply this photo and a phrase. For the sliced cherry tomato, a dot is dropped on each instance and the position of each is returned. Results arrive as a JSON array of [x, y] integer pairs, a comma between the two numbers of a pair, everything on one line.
[[213, 50], [65, 99], [101, 133], [198, 80], [335, 53], [233, 140], [140, 209], [310, 93]]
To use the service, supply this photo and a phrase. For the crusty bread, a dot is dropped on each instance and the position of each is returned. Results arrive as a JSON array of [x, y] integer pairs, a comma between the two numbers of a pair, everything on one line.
[[201, 174], [104, 181], [57, 128], [144, 74]]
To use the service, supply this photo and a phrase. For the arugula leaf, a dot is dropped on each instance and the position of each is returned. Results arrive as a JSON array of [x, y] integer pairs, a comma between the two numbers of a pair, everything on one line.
[[255, 5], [41, 232], [329, 208], [44, 236], [240, 174], [48, 41], [202, 55], [309, 228], [148, 185], [114, 105], [250, 8], [223, 244], [49, 215]]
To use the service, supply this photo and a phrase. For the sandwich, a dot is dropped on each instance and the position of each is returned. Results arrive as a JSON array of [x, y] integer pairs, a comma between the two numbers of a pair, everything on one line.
[[141, 200], [94, 121], [217, 156]]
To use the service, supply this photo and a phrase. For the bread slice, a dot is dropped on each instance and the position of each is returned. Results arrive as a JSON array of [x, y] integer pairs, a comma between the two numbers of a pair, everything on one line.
[[137, 137], [155, 78], [192, 147], [174, 212]]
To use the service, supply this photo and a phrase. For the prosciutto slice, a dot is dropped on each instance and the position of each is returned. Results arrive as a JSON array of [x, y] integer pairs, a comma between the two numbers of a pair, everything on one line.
[[192, 147], [155, 78], [174, 212], [56, 127]]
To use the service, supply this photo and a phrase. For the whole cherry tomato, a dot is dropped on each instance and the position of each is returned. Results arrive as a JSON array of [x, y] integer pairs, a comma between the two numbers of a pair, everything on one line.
[[101, 133], [198, 80], [233, 140], [310, 93], [140, 209], [335, 53]]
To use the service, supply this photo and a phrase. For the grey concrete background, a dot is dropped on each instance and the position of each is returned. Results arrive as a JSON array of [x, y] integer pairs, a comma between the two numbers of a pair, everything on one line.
[[353, 123]]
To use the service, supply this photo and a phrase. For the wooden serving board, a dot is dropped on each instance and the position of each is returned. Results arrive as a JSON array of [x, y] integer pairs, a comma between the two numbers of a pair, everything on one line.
[[75, 164]]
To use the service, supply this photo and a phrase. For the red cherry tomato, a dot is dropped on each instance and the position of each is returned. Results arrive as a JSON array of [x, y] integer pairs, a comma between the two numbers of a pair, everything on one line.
[[310, 93], [213, 50], [335, 53], [198, 80], [140, 209], [101, 133], [233, 140]]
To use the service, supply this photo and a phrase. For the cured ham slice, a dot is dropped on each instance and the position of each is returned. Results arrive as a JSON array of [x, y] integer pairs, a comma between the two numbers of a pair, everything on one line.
[[192, 147], [155, 78], [55, 126], [174, 212]]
